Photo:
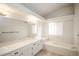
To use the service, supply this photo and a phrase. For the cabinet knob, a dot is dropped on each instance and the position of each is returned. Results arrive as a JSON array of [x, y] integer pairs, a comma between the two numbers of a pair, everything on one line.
[[16, 53], [77, 34], [32, 48]]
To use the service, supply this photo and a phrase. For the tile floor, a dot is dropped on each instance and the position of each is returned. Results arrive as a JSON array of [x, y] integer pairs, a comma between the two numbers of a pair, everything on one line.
[[46, 53]]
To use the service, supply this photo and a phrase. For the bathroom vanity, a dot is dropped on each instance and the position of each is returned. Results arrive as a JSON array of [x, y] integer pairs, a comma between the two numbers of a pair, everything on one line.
[[25, 47]]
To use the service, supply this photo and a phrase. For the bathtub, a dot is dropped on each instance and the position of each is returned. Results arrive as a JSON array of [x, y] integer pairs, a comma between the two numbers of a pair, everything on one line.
[[60, 48]]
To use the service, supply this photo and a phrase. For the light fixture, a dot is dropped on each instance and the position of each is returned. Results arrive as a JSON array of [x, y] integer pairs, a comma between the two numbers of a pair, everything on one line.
[[3, 12], [32, 19]]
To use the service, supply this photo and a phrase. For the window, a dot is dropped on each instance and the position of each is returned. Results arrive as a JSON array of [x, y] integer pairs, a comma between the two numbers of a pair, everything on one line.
[[34, 29], [55, 28]]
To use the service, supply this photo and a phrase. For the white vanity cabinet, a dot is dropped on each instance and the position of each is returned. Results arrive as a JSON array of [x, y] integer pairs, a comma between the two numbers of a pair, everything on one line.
[[32, 49], [24, 51], [17, 52], [27, 50]]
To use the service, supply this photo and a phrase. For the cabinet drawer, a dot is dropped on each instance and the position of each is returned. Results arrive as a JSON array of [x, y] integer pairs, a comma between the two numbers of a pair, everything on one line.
[[17, 52]]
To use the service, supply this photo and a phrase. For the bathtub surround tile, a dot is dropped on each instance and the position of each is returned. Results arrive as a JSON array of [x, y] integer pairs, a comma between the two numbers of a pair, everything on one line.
[[60, 49]]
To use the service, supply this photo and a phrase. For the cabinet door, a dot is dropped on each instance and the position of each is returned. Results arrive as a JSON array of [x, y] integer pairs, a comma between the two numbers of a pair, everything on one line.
[[76, 27], [27, 50], [40, 45], [17, 52], [37, 46], [76, 34]]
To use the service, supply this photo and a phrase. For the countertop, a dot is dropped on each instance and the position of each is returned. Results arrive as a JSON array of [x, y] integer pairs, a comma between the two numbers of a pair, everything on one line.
[[11, 46]]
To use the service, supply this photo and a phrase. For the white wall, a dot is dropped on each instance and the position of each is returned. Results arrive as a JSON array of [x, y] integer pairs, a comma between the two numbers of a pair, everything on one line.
[[12, 25], [68, 34], [65, 15], [66, 10], [24, 9]]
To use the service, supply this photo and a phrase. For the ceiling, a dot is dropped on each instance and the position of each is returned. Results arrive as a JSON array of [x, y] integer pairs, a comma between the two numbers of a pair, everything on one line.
[[44, 9]]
